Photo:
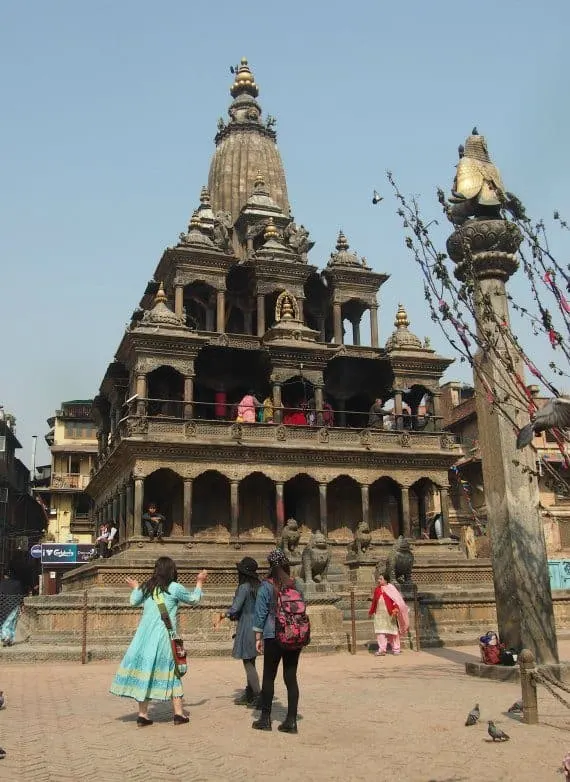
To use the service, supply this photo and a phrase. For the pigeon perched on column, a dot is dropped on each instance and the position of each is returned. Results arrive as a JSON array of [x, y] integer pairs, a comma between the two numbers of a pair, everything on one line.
[[496, 733], [473, 716], [555, 414]]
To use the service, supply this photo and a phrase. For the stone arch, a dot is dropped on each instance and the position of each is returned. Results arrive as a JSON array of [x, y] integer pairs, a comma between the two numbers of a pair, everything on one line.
[[425, 504], [257, 507], [317, 304], [241, 316], [344, 507], [385, 498], [211, 509], [301, 496], [165, 488], [165, 392], [200, 306]]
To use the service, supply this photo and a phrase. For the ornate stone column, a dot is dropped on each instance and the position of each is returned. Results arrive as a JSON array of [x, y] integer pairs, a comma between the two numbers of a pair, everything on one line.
[[220, 312], [188, 397], [115, 509], [319, 401], [234, 507], [279, 508], [130, 520], [260, 314], [356, 331], [437, 412], [364, 491], [374, 341], [188, 506], [123, 514], [337, 320], [323, 507], [485, 251], [398, 419], [406, 522], [138, 506], [277, 403], [141, 393], [178, 300]]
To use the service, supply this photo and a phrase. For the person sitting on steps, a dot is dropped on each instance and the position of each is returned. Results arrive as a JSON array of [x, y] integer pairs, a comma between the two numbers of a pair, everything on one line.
[[154, 523]]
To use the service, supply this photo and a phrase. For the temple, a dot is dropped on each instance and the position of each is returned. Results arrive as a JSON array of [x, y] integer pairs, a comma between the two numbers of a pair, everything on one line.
[[235, 400]]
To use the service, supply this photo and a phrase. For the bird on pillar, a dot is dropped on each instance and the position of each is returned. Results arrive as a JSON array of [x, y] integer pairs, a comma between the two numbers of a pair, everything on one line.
[[554, 415]]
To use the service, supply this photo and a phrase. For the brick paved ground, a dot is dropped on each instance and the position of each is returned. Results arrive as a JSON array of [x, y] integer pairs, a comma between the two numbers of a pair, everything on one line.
[[363, 718]]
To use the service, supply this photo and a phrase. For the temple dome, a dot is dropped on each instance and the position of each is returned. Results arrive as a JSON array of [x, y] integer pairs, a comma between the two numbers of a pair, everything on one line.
[[245, 146], [402, 338]]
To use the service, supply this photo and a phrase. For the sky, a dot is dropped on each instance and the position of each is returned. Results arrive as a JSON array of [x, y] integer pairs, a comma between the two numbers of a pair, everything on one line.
[[109, 111]]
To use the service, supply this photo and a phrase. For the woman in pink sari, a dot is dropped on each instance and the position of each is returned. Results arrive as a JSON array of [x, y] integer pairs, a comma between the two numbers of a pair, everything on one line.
[[247, 408], [391, 616]]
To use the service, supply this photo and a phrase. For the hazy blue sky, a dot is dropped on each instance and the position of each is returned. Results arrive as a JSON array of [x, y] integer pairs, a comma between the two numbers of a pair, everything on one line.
[[109, 111]]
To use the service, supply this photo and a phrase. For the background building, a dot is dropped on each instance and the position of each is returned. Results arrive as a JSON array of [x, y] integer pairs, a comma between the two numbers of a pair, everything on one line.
[[73, 442]]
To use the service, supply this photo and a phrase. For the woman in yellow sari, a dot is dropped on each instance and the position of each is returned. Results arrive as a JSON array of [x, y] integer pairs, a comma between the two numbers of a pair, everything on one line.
[[267, 410]]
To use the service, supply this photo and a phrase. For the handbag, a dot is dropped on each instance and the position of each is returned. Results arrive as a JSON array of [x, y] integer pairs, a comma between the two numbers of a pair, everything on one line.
[[491, 648], [176, 644]]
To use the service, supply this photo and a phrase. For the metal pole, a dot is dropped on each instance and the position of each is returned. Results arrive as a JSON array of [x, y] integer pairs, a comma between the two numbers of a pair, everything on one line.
[[34, 446], [353, 622], [416, 616], [84, 630]]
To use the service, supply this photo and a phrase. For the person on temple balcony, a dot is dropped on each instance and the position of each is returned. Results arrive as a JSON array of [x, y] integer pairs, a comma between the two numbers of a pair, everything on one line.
[[267, 410], [407, 421], [328, 414], [153, 523], [295, 418], [311, 412], [247, 408], [376, 414], [112, 541]]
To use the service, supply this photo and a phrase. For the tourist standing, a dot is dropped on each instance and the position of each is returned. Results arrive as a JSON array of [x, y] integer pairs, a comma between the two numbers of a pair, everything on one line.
[[266, 643], [242, 611], [154, 523], [148, 671], [11, 595], [391, 616], [376, 415]]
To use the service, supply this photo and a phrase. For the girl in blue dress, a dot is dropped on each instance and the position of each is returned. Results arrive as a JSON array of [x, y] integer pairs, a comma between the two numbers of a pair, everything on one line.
[[147, 671]]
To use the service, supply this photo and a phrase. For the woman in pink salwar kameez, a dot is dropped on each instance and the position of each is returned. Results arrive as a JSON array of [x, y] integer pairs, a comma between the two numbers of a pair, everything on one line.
[[391, 616], [247, 408]]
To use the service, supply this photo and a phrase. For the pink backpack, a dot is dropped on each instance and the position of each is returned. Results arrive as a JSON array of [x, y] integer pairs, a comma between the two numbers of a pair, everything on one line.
[[292, 625]]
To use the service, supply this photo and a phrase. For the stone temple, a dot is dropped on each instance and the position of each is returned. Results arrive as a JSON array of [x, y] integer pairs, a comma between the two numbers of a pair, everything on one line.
[[236, 309]]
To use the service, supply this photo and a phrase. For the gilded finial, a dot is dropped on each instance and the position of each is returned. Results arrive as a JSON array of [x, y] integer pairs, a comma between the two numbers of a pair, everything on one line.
[[160, 297], [271, 231], [401, 321], [342, 243], [205, 196], [287, 312], [244, 81], [259, 180], [195, 222]]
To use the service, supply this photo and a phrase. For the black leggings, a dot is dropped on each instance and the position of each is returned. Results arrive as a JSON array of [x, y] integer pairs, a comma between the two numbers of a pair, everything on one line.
[[272, 656]]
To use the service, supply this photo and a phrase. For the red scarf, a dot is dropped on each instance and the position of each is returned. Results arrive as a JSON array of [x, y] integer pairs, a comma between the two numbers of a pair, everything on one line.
[[390, 604]]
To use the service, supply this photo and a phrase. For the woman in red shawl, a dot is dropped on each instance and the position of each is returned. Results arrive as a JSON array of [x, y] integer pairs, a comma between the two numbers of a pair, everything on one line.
[[391, 616]]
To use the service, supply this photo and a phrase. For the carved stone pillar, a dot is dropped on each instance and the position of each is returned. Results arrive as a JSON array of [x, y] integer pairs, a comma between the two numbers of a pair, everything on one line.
[[115, 509], [364, 491], [406, 523], [178, 300], [260, 314], [188, 396], [319, 404], [187, 521], [321, 327], [398, 419], [374, 325], [279, 508], [141, 393], [301, 303], [277, 404], [437, 412], [138, 506], [356, 331], [130, 517], [220, 312], [234, 507], [123, 514], [323, 507], [337, 320]]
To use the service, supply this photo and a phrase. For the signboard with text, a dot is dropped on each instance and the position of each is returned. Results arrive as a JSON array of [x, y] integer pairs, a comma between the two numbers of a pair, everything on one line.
[[67, 553]]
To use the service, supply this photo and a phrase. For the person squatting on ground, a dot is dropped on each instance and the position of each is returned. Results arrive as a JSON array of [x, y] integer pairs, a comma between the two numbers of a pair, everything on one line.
[[154, 523], [267, 644], [148, 671], [241, 611], [391, 616], [11, 596]]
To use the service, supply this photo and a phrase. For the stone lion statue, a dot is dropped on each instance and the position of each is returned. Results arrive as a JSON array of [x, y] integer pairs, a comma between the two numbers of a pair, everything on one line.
[[362, 540], [399, 563], [290, 537], [315, 559]]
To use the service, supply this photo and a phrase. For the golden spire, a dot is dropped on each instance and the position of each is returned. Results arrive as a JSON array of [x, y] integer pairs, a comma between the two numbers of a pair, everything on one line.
[[401, 321], [287, 312], [271, 231], [342, 243], [195, 222], [259, 180], [160, 297], [244, 81]]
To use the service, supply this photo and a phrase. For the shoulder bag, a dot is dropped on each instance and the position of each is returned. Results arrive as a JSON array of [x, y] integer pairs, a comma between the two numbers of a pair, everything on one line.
[[176, 644]]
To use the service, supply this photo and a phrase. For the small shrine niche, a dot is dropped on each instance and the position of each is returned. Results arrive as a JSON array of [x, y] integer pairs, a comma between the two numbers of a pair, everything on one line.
[[286, 307]]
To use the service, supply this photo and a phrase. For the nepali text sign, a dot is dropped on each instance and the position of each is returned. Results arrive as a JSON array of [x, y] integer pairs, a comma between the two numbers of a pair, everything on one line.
[[67, 553]]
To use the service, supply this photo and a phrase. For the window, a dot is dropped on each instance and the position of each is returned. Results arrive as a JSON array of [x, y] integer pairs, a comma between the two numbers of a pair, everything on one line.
[[74, 465], [80, 430]]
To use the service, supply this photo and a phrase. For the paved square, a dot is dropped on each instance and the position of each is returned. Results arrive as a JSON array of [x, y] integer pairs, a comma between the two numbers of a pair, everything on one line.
[[363, 718]]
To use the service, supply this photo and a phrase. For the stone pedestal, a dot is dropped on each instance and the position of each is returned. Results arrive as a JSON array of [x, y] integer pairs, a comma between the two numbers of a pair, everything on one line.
[[362, 572]]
